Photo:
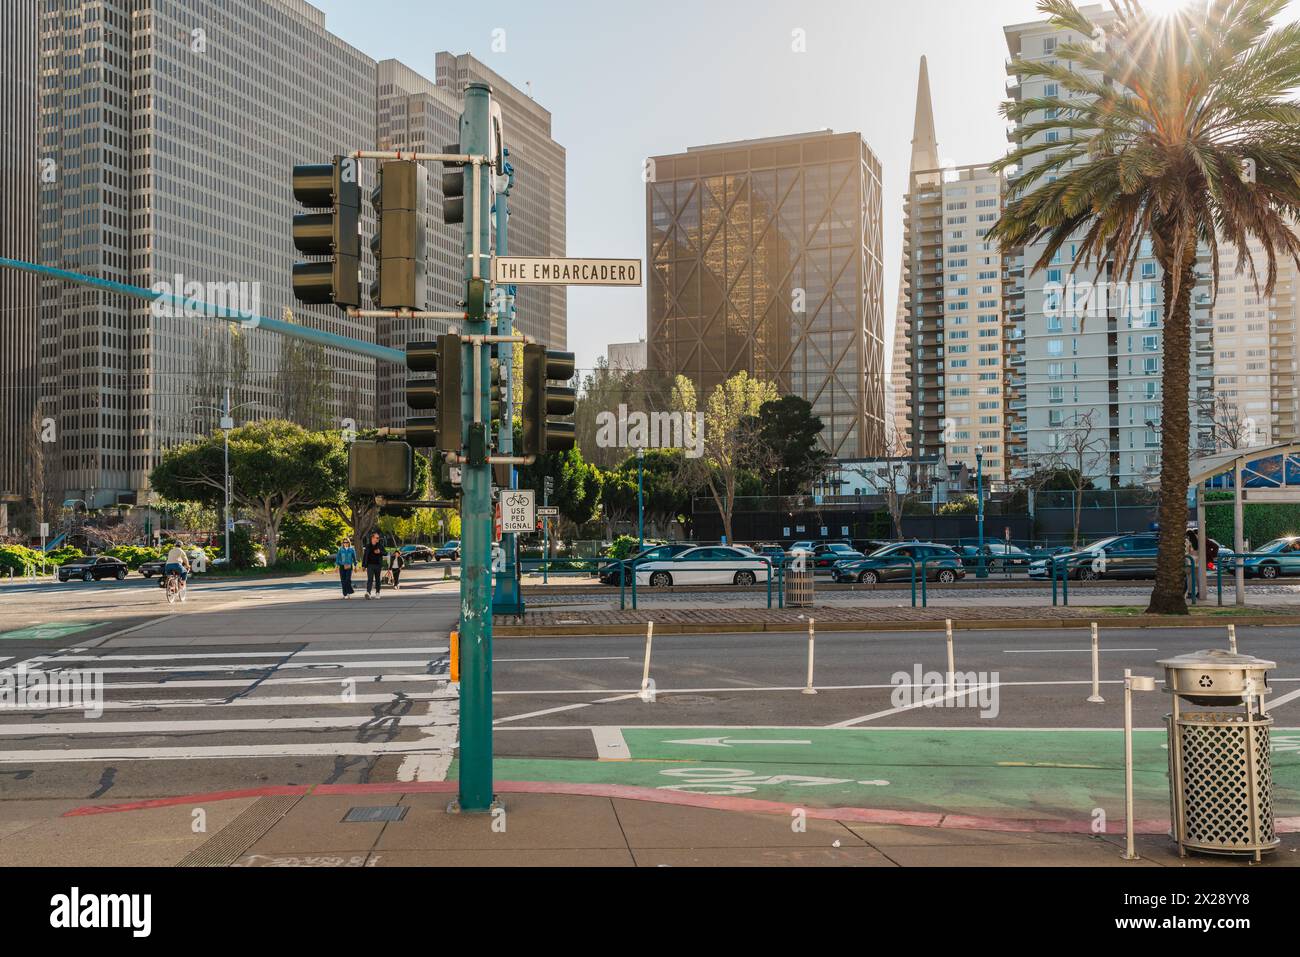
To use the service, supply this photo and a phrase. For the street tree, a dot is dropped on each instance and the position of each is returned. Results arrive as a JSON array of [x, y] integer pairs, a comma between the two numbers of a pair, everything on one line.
[[1177, 130], [1078, 452], [896, 478], [729, 431], [276, 467], [787, 454]]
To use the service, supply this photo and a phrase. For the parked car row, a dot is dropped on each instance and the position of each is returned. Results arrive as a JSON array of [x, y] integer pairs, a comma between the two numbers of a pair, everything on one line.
[[1134, 556]]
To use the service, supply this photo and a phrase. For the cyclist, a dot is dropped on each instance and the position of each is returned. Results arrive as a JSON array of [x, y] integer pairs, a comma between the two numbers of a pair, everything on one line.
[[178, 564]]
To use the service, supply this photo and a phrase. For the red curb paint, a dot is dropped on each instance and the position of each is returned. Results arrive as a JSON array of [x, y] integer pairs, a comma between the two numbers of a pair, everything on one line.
[[207, 798], [856, 815]]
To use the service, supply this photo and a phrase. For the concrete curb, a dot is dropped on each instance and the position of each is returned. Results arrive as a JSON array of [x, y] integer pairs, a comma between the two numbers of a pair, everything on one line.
[[631, 629]]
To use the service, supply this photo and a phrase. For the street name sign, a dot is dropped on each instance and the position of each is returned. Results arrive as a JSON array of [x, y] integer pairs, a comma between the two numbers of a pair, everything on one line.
[[547, 511], [518, 511], [543, 271]]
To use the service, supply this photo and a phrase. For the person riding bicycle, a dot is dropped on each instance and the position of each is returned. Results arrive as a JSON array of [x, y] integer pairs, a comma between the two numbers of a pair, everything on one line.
[[177, 563]]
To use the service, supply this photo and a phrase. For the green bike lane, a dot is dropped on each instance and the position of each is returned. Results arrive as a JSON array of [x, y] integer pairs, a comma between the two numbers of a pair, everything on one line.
[[1008, 774]]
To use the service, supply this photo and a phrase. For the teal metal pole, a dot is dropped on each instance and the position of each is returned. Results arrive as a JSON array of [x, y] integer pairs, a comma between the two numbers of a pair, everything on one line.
[[506, 598], [475, 785], [640, 501], [202, 309]]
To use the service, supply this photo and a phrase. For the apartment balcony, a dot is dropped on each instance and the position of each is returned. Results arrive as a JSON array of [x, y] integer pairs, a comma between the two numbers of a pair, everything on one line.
[[1011, 69]]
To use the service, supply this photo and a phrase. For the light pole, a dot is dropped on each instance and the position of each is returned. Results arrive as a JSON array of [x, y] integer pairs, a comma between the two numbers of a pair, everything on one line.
[[640, 500], [982, 572], [227, 423]]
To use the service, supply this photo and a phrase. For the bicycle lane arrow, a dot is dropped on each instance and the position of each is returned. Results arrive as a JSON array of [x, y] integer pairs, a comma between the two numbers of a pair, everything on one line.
[[725, 742]]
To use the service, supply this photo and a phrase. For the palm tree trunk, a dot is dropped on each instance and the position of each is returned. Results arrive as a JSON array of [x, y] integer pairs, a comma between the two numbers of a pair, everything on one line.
[[1168, 597]]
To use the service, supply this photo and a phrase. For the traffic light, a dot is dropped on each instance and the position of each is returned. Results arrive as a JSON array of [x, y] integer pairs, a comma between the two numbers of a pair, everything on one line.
[[398, 243], [541, 433], [453, 188], [334, 234], [381, 468], [439, 394]]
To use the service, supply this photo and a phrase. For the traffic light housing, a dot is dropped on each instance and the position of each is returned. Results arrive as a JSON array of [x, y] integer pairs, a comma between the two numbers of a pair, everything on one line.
[[334, 236], [438, 394], [398, 243], [381, 468], [541, 433], [453, 188]]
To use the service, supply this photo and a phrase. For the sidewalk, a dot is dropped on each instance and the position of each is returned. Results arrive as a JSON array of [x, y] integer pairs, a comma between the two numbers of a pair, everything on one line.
[[301, 827]]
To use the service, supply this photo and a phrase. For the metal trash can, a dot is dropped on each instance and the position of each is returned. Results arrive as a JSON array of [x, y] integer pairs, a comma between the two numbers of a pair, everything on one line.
[[1220, 769], [799, 583]]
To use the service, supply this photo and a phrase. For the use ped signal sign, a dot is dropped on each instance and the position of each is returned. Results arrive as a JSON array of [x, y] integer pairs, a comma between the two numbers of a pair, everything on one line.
[[542, 271], [518, 512]]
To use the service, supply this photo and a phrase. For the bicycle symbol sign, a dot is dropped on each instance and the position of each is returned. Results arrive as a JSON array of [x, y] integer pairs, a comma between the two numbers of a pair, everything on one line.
[[518, 511]]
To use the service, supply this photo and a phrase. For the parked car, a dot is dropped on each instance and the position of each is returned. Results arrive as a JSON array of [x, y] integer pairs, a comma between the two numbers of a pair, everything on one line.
[[1279, 557], [149, 569], [998, 555], [93, 569], [704, 565], [450, 551], [805, 547], [1132, 555], [896, 563], [826, 556], [608, 573], [416, 553], [773, 552]]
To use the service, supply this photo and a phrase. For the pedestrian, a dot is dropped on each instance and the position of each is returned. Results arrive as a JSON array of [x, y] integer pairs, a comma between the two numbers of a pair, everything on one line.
[[396, 562], [345, 559], [373, 559]]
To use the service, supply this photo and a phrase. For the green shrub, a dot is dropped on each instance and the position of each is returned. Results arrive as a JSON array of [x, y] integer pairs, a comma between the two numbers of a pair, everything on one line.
[[18, 558], [623, 546], [64, 554], [966, 505], [134, 555]]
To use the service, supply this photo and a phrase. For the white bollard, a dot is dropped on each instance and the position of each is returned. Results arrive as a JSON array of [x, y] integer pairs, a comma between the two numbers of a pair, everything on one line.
[[1232, 638], [952, 667], [1096, 697], [809, 689], [645, 671]]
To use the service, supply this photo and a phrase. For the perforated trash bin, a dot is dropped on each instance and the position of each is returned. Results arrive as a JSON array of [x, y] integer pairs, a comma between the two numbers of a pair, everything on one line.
[[799, 583], [1220, 770]]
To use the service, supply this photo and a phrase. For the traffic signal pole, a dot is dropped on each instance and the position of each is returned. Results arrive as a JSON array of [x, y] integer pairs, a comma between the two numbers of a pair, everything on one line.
[[506, 597], [475, 792]]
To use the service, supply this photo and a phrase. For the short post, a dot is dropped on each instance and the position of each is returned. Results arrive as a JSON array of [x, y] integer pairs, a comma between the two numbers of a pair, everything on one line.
[[645, 670], [809, 689], [1232, 638], [1131, 683], [1095, 697], [952, 666]]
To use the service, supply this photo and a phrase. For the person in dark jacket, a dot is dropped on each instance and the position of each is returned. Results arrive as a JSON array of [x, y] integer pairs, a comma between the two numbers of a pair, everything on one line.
[[396, 562], [373, 559]]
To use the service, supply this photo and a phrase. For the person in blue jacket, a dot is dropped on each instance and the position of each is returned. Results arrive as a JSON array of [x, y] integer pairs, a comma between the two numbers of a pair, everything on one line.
[[345, 559]]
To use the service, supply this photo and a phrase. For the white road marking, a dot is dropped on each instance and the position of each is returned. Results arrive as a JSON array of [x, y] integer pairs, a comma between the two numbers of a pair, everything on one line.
[[284, 701], [203, 725], [441, 736], [566, 707], [376, 678], [610, 744], [516, 660], [1057, 651], [269, 666], [725, 742], [958, 692], [213, 752], [1291, 696], [320, 653]]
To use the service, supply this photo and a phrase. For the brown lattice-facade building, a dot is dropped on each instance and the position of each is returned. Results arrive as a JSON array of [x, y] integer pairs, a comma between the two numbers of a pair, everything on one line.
[[766, 256]]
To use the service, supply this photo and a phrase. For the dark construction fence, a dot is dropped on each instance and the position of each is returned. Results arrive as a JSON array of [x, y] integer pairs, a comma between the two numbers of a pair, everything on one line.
[[1040, 518]]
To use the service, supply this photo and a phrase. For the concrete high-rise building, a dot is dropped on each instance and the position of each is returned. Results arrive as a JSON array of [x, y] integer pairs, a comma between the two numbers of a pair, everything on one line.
[[416, 113], [172, 130], [956, 344], [1084, 372], [20, 173], [537, 204], [1256, 400], [765, 256], [627, 356]]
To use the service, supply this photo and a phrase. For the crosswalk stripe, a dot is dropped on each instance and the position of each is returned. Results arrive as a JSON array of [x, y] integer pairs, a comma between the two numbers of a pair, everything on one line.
[[379, 677], [319, 653], [269, 666], [212, 752], [293, 701], [205, 725]]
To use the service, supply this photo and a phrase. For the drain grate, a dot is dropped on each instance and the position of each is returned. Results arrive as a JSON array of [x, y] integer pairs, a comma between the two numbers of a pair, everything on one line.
[[375, 815], [228, 845]]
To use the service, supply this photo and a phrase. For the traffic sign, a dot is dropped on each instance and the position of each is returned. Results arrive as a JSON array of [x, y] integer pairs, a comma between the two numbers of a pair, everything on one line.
[[547, 511], [518, 511], [543, 271]]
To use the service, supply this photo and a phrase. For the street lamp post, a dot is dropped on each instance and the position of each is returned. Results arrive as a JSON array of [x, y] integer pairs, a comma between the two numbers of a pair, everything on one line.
[[640, 500], [982, 572], [227, 423]]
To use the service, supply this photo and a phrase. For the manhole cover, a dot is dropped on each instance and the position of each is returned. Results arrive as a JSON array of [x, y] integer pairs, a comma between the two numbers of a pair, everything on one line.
[[374, 815]]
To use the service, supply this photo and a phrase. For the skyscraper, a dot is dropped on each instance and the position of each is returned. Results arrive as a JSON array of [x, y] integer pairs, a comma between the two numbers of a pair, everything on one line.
[[172, 130], [416, 113], [765, 256], [1088, 366], [20, 174]]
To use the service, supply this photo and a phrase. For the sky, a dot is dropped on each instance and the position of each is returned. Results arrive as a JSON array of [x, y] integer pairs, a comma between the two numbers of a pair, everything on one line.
[[626, 80]]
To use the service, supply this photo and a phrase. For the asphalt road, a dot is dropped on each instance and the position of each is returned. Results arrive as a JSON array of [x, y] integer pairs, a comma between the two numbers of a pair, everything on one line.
[[265, 683]]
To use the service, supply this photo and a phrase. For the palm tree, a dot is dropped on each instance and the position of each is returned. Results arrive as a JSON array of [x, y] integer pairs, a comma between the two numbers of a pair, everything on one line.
[[1176, 129]]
